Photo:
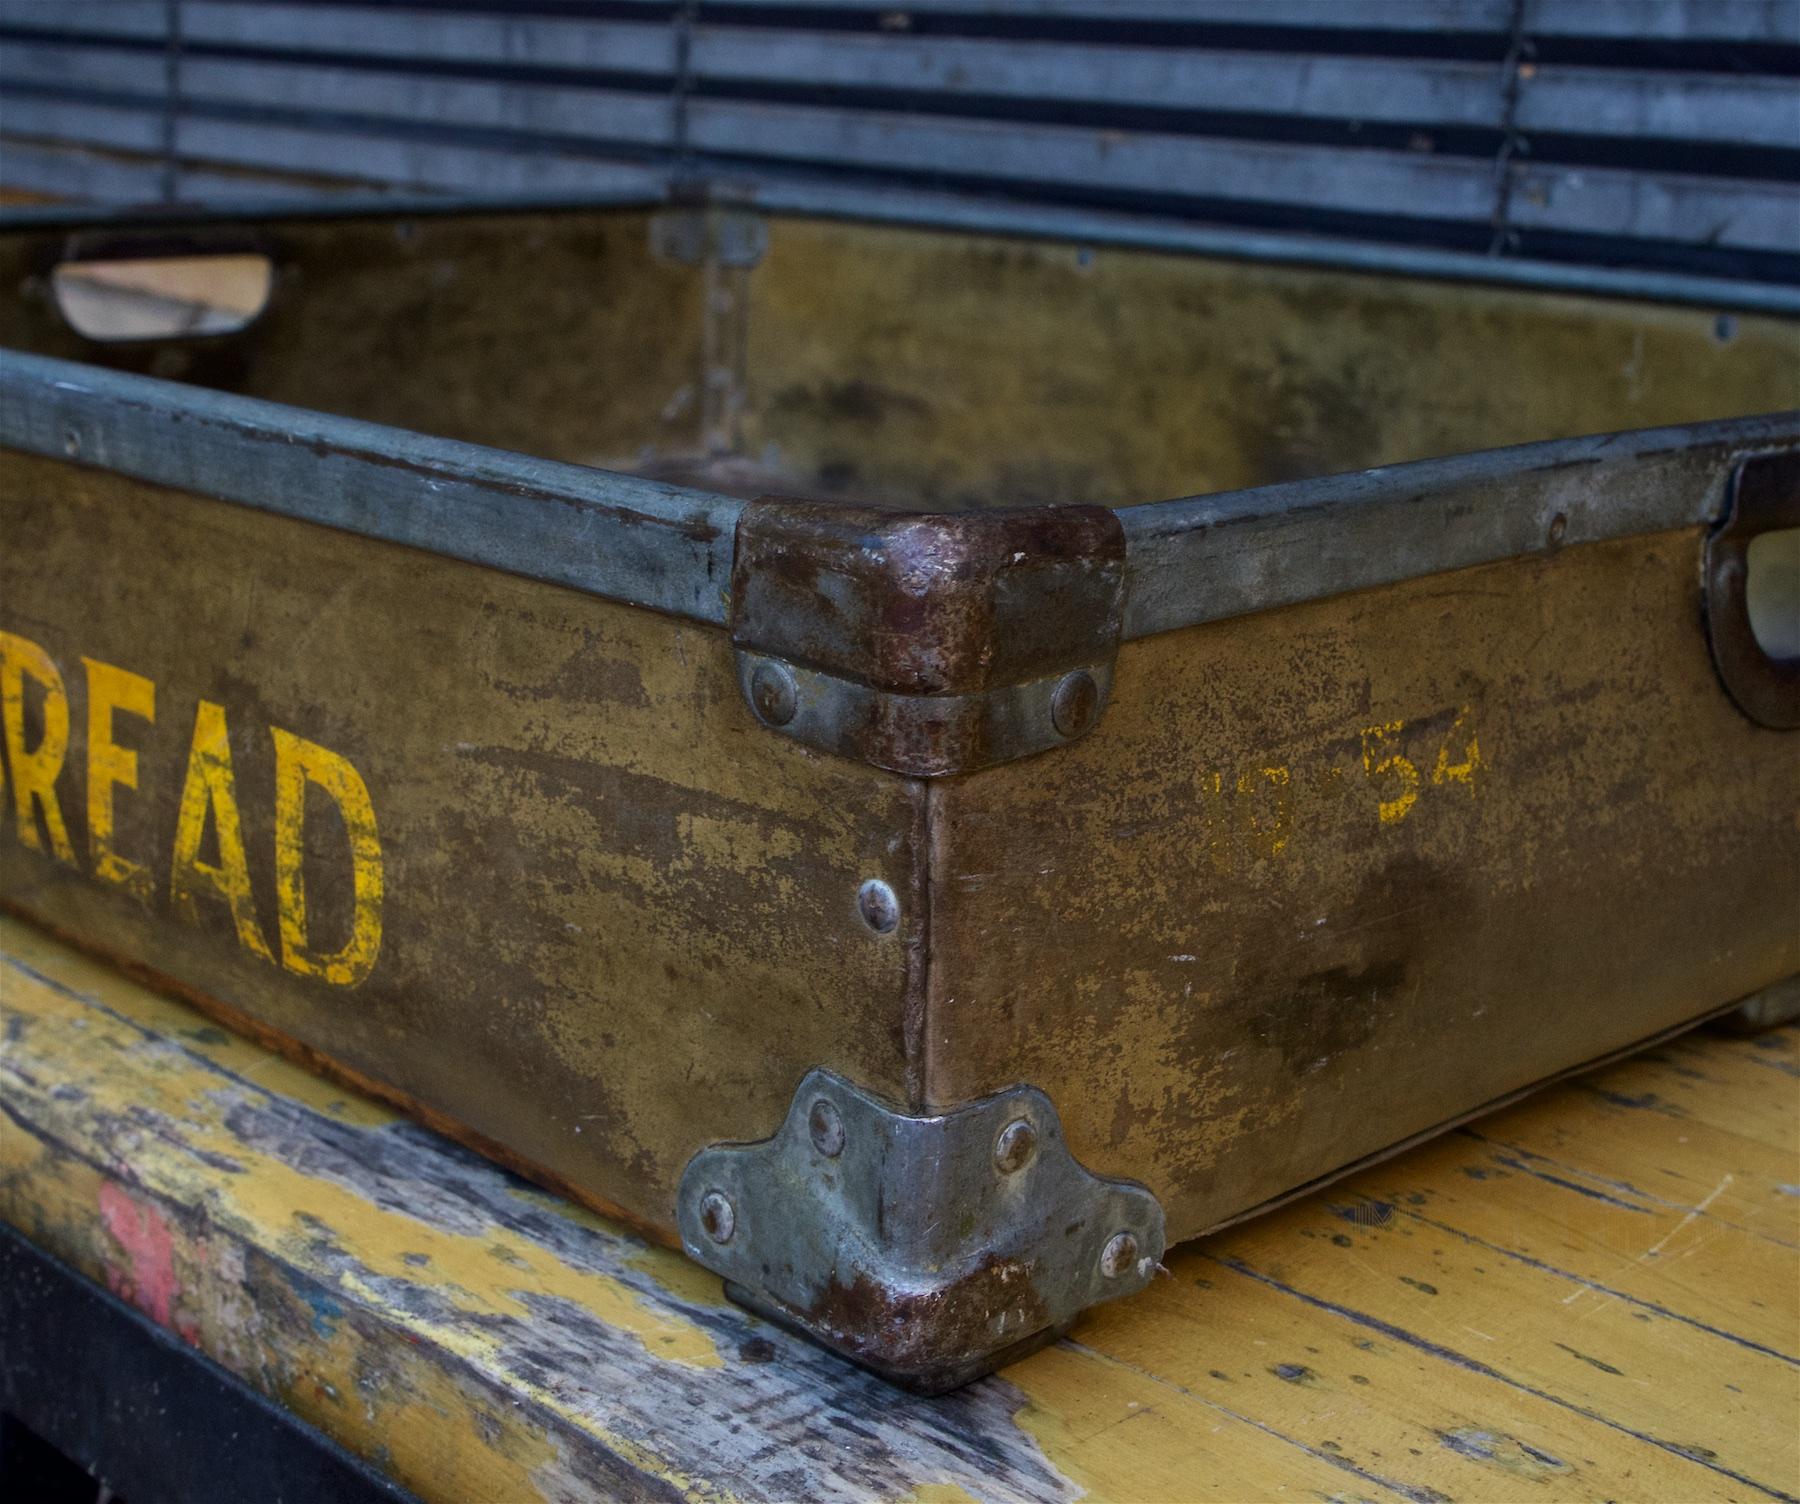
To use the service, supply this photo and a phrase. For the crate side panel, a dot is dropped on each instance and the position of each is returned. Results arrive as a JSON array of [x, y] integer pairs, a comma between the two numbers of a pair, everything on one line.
[[973, 370], [1326, 877], [616, 918]]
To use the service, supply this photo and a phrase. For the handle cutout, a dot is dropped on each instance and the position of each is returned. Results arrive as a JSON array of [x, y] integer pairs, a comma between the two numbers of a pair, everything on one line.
[[162, 297], [1772, 592]]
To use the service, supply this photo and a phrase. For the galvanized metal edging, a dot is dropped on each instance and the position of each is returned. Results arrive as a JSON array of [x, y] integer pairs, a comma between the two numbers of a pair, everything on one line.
[[1098, 228], [671, 549], [638, 541], [1205, 558]]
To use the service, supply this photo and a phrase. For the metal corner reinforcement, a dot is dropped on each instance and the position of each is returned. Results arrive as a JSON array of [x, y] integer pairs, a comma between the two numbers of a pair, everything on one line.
[[927, 644], [930, 1248]]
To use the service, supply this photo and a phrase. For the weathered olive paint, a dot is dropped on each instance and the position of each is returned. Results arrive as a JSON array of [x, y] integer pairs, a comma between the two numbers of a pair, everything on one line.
[[1319, 880], [1327, 877], [620, 918], [958, 371]]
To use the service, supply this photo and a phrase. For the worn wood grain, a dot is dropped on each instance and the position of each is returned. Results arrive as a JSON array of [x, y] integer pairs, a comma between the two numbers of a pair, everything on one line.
[[1591, 1296]]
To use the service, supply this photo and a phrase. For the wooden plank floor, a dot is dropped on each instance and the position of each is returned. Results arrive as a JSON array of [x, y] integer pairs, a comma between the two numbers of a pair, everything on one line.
[[1595, 1295]]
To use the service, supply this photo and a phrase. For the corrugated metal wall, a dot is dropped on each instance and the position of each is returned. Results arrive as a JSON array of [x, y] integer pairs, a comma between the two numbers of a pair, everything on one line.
[[1651, 133]]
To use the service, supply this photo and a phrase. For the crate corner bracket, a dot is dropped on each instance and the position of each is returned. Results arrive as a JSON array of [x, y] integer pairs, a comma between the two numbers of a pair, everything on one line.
[[928, 644], [929, 1248]]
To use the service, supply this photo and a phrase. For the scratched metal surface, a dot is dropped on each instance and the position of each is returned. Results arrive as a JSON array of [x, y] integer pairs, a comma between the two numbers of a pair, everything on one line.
[[1593, 1295]]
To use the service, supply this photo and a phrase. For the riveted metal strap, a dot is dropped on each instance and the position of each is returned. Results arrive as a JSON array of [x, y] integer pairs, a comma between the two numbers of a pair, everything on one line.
[[925, 736], [931, 1248]]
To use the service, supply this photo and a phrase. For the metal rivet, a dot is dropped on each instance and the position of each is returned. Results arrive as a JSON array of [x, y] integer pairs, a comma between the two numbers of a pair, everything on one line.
[[718, 1216], [879, 908], [1015, 1146], [827, 1129], [1119, 1257], [1073, 706], [773, 694]]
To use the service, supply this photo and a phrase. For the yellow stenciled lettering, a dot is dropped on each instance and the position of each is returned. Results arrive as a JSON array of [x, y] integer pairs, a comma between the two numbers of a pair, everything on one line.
[[299, 762], [209, 787], [34, 770], [109, 765], [1380, 762], [1268, 835], [1460, 772], [1216, 820]]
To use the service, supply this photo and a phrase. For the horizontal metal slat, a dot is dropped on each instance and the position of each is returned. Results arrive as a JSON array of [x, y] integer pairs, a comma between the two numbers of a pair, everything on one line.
[[1753, 110], [883, 203], [447, 36], [1353, 181], [410, 162], [70, 172], [1594, 201], [1350, 88], [132, 128], [600, 114], [67, 66], [114, 18], [1358, 15], [1766, 21], [1776, 21], [1720, 212], [64, 172]]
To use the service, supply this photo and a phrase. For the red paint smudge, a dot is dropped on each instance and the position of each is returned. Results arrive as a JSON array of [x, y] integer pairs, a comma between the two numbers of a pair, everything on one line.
[[144, 1236]]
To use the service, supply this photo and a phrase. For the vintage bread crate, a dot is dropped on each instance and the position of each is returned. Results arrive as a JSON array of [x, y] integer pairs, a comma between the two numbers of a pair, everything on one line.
[[927, 899]]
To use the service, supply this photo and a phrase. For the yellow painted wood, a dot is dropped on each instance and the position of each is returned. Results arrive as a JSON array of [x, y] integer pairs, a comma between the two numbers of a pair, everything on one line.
[[1593, 1295]]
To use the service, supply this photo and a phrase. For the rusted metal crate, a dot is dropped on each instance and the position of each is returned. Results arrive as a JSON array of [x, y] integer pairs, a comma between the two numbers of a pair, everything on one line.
[[928, 898]]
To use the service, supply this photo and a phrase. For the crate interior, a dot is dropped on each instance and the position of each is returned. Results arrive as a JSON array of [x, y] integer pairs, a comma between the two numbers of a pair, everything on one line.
[[906, 366]]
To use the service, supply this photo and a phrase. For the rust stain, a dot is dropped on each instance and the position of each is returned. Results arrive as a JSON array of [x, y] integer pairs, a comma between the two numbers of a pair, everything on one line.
[[926, 1336], [950, 603]]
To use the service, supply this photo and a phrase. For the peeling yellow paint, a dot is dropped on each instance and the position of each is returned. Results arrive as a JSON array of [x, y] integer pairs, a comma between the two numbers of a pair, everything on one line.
[[1380, 761], [300, 1208], [1463, 772], [1120, 1435], [938, 1493]]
